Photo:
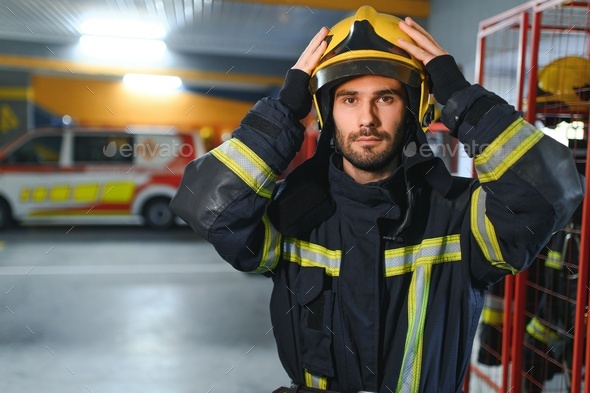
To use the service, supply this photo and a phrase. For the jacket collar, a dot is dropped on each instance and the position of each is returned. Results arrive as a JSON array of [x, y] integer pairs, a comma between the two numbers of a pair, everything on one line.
[[345, 189], [305, 200]]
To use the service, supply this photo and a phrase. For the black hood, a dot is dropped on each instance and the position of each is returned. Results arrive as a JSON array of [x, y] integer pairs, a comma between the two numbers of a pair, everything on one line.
[[303, 201]]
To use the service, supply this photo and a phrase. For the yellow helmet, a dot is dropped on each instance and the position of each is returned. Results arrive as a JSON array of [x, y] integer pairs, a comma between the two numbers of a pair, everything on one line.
[[565, 81], [365, 44]]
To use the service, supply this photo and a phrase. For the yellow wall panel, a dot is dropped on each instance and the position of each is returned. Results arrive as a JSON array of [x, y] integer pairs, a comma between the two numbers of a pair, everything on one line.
[[109, 103]]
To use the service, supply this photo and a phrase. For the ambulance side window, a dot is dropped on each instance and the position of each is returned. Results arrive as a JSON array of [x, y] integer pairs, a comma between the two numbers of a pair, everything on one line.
[[103, 148], [39, 150]]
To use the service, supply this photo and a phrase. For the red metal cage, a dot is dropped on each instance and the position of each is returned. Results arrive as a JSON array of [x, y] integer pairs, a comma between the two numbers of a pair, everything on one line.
[[532, 336]]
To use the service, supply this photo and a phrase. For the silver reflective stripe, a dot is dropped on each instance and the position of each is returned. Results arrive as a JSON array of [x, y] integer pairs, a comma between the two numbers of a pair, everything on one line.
[[505, 150], [271, 248], [309, 254], [409, 379], [242, 161], [541, 332], [429, 251], [484, 233], [314, 381]]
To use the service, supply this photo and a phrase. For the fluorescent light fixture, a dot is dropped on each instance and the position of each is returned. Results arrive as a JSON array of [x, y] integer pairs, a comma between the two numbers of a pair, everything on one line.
[[152, 83], [123, 28], [116, 48]]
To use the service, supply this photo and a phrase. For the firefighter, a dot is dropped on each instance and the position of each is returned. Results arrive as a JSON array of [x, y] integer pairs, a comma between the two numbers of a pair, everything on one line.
[[380, 259]]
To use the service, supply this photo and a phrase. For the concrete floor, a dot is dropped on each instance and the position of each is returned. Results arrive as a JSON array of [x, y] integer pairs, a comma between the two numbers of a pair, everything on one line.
[[126, 309]]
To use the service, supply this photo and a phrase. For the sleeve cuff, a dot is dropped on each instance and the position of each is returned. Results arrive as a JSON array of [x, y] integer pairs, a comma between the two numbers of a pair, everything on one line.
[[295, 93], [446, 77]]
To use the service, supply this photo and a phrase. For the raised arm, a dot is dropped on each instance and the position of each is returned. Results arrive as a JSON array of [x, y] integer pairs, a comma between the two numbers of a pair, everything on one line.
[[528, 183], [223, 195]]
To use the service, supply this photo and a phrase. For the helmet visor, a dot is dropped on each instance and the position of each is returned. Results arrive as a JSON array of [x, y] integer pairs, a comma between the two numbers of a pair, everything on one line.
[[358, 67]]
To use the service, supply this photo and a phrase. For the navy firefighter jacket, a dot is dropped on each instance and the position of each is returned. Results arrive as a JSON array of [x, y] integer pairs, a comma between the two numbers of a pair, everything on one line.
[[384, 293]]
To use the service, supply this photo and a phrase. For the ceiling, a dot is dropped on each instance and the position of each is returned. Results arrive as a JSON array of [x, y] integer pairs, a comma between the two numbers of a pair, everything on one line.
[[203, 35]]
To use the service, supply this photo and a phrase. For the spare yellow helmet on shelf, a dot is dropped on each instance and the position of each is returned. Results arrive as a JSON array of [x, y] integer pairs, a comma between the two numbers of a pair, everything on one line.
[[366, 44], [565, 80]]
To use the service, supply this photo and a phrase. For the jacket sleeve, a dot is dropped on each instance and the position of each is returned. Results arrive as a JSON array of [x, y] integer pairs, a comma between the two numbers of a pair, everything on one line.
[[528, 184], [223, 195]]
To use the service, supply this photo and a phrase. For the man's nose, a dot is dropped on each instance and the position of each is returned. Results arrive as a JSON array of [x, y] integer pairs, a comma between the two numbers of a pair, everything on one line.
[[368, 115]]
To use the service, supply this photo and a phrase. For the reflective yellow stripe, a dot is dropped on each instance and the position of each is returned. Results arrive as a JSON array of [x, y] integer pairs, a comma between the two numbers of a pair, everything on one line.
[[428, 252], [118, 192], [505, 150], [85, 193], [538, 330], [409, 379], [308, 254], [242, 161], [554, 260], [271, 249], [397, 261], [492, 317], [25, 194], [484, 233], [313, 381], [39, 194], [493, 310], [113, 192], [60, 193]]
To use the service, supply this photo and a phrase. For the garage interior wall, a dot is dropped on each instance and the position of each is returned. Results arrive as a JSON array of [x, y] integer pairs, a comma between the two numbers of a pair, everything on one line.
[[108, 103], [103, 102]]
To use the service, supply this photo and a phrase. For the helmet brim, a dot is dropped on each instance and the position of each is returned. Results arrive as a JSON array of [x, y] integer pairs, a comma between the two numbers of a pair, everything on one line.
[[360, 67]]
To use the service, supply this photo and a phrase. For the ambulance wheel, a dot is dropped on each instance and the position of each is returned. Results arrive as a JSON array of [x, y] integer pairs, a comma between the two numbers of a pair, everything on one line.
[[5, 215], [157, 214]]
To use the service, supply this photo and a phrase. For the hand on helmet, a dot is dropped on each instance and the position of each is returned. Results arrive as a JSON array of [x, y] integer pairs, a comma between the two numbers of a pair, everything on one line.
[[314, 51], [426, 47], [295, 92]]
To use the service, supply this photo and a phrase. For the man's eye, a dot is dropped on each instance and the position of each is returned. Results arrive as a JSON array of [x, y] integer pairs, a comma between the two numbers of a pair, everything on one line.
[[386, 98], [349, 100]]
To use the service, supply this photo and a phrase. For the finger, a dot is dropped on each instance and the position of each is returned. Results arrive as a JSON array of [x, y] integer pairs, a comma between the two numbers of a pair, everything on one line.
[[420, 39], [313, 52], [419, 53], [308, 61], [426, 42], [319, 37], [412, 23]]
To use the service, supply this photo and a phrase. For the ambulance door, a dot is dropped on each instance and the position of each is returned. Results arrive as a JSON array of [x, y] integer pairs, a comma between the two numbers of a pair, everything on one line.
[[105, 179], [29, 174]]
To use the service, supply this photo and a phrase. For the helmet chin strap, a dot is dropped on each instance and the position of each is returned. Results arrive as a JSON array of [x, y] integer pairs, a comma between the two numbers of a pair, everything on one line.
[[429, 115]]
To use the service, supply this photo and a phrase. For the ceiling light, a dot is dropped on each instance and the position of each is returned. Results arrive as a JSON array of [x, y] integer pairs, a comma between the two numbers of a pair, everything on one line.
[[116, 48], [123, 28], [152, 83]]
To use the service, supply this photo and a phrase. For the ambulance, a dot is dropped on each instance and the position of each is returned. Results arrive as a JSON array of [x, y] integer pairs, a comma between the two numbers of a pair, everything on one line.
[[82, 175]]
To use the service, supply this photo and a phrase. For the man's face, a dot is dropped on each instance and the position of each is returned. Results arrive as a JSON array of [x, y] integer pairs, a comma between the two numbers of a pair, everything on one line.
[[369, 116]]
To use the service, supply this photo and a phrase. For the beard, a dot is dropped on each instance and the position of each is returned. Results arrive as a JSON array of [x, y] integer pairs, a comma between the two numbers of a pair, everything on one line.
[[371, 158]]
